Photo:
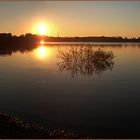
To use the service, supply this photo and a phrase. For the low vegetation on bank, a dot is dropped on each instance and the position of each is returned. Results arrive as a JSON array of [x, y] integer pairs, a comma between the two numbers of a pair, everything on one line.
[[12, 127]]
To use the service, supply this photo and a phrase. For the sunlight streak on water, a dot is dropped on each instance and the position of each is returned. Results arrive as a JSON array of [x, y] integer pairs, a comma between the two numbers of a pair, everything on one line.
[[41, 52]]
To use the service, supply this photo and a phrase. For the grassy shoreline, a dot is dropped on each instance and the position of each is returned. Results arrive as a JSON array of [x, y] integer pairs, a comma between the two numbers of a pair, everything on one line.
[[12, 127]]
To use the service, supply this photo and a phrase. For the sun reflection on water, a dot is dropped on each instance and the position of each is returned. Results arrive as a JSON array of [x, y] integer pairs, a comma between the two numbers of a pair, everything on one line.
[[42, 42], [41, 52]]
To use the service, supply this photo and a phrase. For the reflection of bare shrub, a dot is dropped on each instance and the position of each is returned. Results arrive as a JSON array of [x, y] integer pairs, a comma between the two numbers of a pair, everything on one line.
[[85, 60]]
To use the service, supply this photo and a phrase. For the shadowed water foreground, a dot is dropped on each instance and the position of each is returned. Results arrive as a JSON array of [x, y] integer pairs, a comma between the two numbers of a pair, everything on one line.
[[70, 90]]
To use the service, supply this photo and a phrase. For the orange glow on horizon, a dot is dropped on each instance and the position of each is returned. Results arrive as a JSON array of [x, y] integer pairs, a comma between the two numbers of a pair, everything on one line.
[[42, 42]]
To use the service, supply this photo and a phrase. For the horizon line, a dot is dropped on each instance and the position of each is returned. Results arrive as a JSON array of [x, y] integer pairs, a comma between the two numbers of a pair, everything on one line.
[[117, 36]]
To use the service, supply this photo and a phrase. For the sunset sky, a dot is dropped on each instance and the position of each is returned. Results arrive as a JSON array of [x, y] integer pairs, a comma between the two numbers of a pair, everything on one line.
[[72, 18]]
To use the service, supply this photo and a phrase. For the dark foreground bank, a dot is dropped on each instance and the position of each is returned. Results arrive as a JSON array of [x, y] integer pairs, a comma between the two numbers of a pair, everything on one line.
[[14, 128], [11, 127]]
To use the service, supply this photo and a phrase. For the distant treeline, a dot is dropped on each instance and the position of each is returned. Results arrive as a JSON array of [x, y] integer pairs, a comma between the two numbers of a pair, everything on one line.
[[8, 38], [25, 43]]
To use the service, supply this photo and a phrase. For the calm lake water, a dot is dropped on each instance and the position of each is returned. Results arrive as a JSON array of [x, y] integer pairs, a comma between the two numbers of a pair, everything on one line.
[[59, 86]]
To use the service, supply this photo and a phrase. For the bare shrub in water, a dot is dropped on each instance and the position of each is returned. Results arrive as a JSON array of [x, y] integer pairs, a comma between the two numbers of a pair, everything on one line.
[[85, 60]]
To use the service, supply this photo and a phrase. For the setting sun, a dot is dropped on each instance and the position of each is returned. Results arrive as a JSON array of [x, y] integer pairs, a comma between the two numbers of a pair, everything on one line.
[[40, 28]]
